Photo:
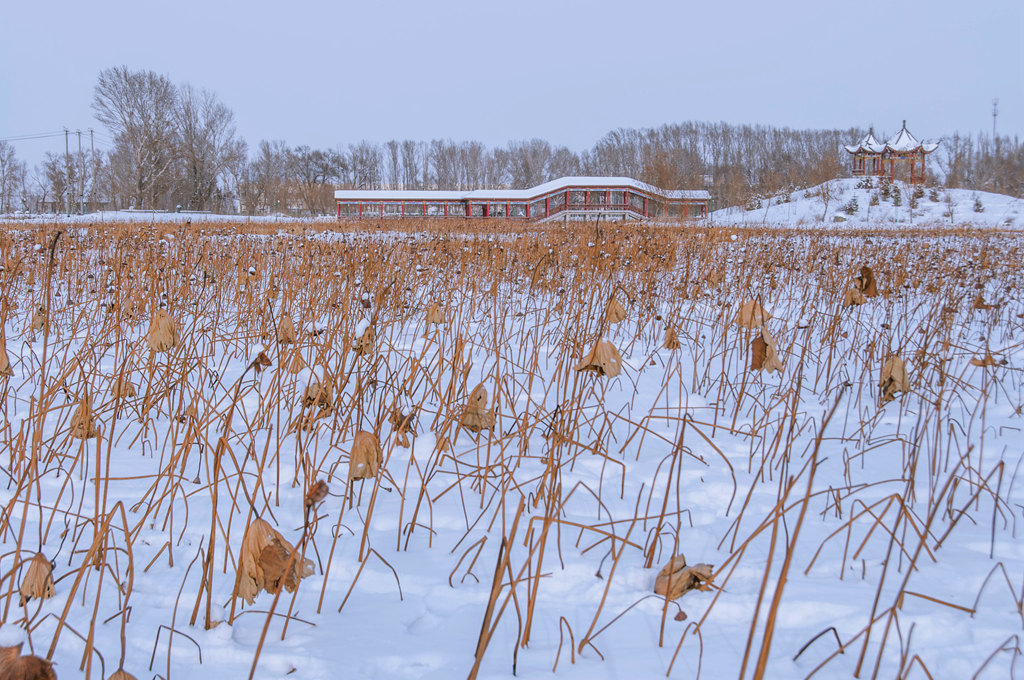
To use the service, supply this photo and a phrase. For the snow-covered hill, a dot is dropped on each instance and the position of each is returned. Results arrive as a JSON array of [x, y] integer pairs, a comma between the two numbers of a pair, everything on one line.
[[863, 201]]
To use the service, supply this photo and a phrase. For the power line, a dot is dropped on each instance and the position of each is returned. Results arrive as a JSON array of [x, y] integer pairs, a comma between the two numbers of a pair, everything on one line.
[[36, 135]]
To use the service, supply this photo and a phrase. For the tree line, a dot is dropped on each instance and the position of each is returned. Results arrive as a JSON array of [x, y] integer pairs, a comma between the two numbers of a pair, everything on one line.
[[175, 147]]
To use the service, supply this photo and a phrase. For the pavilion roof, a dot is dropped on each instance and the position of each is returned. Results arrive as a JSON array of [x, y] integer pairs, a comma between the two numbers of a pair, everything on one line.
[[901, 142]]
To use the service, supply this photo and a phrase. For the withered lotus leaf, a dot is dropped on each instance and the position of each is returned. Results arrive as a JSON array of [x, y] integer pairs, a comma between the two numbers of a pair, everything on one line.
[[865, 283], [122, 388], [263, 562], [671, 339], [764, 353], [83, 425], [163, 332], [13, 666], [751, 315], [435, 315], [894, 378], [37, 581], [676, 578], [615, 312], [853, 297], [602, 359], [286, 331], [366, 457], [476, 417], [5, 363]]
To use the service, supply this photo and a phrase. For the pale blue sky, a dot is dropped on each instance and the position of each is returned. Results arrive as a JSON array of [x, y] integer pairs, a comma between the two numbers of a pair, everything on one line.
[[328, 73]]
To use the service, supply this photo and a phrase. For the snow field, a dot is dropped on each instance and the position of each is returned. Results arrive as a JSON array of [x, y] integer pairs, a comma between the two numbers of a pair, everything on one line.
[[909, 508]]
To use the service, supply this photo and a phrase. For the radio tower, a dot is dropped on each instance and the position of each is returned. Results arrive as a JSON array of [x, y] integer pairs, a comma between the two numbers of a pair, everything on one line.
[[995, 114]]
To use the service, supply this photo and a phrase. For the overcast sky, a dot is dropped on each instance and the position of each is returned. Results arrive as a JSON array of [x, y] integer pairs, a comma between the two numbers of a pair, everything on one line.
[[329, 73]]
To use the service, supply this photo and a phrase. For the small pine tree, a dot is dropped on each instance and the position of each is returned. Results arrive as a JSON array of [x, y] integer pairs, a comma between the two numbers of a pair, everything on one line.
[[978, 207], [933, 195], [851, 206], [886, 188], [874, 198], [918, 192], [897, 197], [914, 199]]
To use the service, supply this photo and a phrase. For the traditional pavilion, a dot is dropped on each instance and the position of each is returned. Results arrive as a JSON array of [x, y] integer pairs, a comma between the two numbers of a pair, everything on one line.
[[870, 157], [568, 198]]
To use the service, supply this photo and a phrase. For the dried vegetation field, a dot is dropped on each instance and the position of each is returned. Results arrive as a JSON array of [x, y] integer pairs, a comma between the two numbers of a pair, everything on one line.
[[446, 449]]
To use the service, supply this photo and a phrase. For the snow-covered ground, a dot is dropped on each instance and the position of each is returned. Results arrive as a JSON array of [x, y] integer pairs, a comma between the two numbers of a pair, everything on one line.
[[853, 201], [850, 202], [898, 518], [151, 216]]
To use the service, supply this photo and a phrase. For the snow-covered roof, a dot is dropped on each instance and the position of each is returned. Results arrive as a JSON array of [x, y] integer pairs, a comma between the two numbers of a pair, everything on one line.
[[901, 142], [538, 191]]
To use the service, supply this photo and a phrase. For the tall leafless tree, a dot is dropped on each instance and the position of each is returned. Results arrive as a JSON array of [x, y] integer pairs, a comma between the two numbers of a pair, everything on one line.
[[207, 145], [138, 108], [13, 175]]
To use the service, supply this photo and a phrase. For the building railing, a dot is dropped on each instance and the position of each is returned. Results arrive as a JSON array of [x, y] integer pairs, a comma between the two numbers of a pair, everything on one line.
[[542, 207]]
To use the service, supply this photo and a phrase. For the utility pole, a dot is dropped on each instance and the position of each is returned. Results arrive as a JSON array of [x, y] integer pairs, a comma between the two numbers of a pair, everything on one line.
[[995, 113], [81, 175], [92, 162], [67, 173]]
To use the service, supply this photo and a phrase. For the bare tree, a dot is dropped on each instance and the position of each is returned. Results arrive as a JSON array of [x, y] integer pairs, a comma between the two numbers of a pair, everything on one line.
[[207, 145], [55, 171], [394, 176], [411, 154], [12, 176], [263, 183], [138, 108], [472, 159], [829, 191], [528, 162], [496, 169], [365, 164], [563, 163], [444, 158], [314, 172]]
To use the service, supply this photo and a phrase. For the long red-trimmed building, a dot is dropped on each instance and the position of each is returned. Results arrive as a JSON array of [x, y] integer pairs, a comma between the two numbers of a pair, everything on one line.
[[568, 197]]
